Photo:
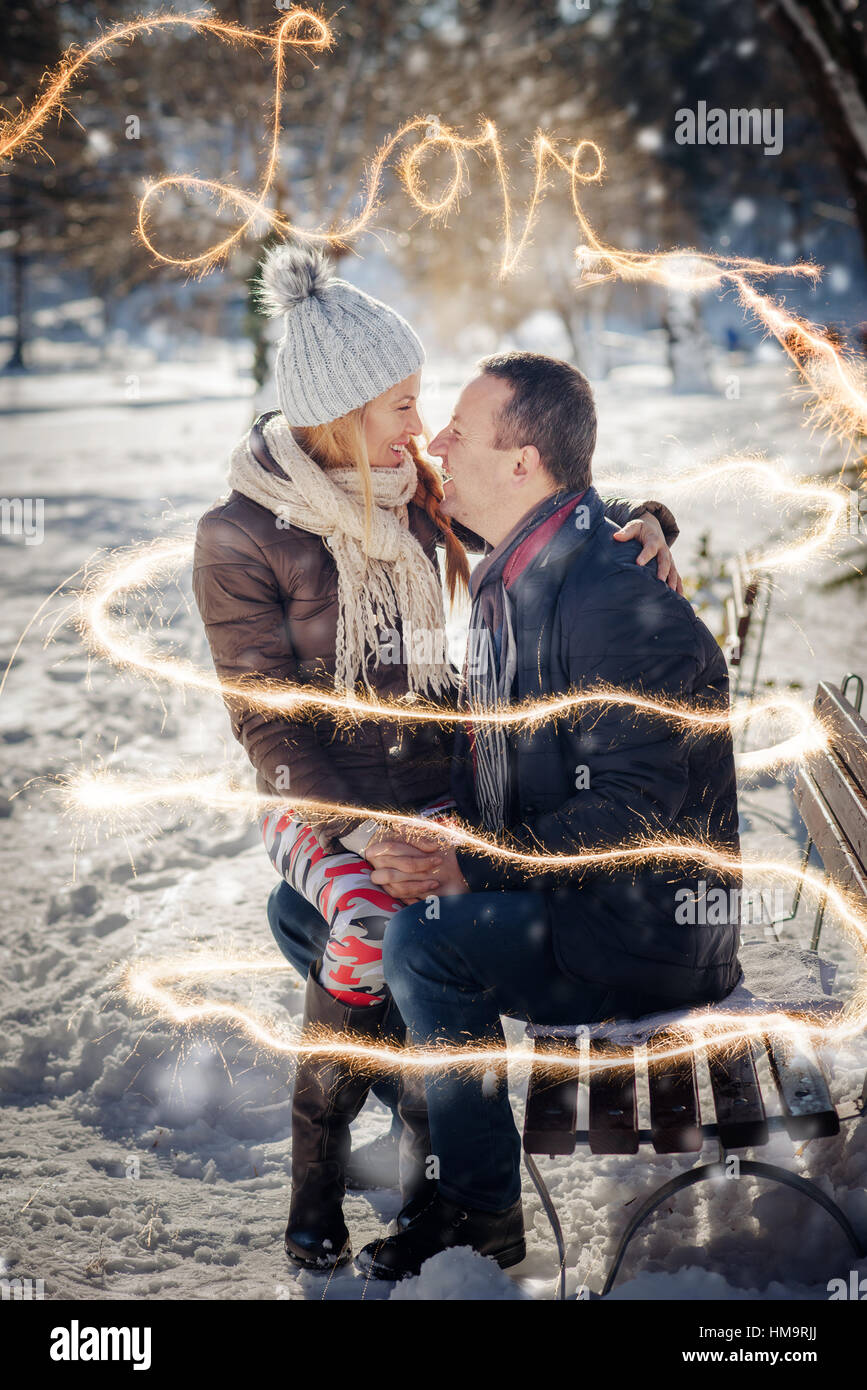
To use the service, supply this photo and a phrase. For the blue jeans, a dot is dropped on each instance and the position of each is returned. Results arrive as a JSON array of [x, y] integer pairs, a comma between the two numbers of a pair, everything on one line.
[[487, 954], [302, 934]]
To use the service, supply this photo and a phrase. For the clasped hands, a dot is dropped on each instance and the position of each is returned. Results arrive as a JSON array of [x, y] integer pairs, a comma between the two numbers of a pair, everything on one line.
[[413, 870]]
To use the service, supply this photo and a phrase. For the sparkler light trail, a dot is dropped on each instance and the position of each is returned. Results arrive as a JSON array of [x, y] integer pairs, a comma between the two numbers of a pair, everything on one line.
[[109, 585], [143, 566], [159, 987], [109, 796], [835, 378], [767, 483], [138, 652], [300, 29]]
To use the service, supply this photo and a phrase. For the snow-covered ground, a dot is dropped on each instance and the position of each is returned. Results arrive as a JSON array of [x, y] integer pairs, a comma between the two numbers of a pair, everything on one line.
[[138, 1161]]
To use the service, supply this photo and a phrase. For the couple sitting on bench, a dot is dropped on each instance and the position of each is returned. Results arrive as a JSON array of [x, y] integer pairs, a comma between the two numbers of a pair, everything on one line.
[[417, 940]]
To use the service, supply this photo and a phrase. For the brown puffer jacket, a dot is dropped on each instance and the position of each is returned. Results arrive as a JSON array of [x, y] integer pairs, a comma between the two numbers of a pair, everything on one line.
[[268, 598]]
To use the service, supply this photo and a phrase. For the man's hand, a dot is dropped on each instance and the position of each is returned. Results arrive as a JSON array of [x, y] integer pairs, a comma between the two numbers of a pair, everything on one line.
[[412, 871], [647, 529]]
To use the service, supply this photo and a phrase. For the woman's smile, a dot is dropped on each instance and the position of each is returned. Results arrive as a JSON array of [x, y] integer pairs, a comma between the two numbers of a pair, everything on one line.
[[397, 454]]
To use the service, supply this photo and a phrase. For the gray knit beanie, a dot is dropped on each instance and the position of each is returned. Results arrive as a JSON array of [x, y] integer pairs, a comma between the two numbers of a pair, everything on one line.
[[340, 347]]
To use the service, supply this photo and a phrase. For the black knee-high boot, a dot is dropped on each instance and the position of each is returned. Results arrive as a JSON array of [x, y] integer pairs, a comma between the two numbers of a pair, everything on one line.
[[328, 1095]]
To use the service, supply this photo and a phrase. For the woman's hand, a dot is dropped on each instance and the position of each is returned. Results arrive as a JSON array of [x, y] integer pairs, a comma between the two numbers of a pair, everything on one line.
[[328, 830], [648, 531]]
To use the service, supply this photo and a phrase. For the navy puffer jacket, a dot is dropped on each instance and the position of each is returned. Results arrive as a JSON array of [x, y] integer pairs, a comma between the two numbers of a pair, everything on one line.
[[586, 615]]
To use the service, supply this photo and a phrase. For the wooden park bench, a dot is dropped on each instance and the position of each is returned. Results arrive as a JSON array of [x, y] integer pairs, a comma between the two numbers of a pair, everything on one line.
[[831, 795]]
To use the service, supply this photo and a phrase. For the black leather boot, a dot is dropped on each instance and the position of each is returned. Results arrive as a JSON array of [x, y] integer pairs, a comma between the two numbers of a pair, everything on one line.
[[328, 1096], [440, 1226]]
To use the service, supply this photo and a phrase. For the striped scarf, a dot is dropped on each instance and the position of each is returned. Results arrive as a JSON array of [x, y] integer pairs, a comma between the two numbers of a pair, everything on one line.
[[383, 580], [492, 648]]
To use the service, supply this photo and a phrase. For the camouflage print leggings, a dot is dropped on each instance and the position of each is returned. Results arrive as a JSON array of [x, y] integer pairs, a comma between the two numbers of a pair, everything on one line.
[[338, 885]]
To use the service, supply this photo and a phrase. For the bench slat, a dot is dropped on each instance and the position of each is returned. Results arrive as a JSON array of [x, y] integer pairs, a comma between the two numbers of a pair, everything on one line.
[[551, 1114], [737, 1098], [844, 799], [674, 1107], [848, 731], [613, 1105], [807, 1105], [837, 855]]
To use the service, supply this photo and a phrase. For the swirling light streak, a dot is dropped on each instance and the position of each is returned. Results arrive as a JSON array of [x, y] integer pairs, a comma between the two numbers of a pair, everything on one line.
[[145, 984], [101, 794], [122, 576], [106, 794], [125, 573], [767, 482], [152, 986], [21, 133]]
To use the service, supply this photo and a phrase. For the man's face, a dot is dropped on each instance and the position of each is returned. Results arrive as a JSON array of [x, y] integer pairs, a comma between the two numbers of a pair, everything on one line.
[[475, 472]]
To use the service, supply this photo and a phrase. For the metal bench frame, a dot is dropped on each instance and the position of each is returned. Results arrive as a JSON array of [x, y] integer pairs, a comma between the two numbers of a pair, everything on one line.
[[741, 1122], [820, 1123]]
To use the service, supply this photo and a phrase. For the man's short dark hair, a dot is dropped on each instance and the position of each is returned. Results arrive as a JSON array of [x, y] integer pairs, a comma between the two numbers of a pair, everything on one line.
[[551, 407]]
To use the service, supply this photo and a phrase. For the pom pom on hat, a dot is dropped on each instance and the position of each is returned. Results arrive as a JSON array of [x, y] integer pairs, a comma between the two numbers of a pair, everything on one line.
[[290, 273]]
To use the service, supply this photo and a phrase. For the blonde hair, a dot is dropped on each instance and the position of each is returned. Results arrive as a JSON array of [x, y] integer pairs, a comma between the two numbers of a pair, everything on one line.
[[342, 441]]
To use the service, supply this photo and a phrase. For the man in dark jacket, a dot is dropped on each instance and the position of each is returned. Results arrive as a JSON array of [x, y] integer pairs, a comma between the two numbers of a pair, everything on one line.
[[558, 607]]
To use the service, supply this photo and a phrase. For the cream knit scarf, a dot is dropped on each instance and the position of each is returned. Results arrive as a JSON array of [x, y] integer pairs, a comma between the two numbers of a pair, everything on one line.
[[394, 578]]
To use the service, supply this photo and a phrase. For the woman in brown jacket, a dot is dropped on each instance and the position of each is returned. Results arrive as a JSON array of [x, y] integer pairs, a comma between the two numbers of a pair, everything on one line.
[[320, 568]]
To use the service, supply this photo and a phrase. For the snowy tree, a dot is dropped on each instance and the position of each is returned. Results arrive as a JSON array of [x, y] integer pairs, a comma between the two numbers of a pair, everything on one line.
[[828, 41]]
